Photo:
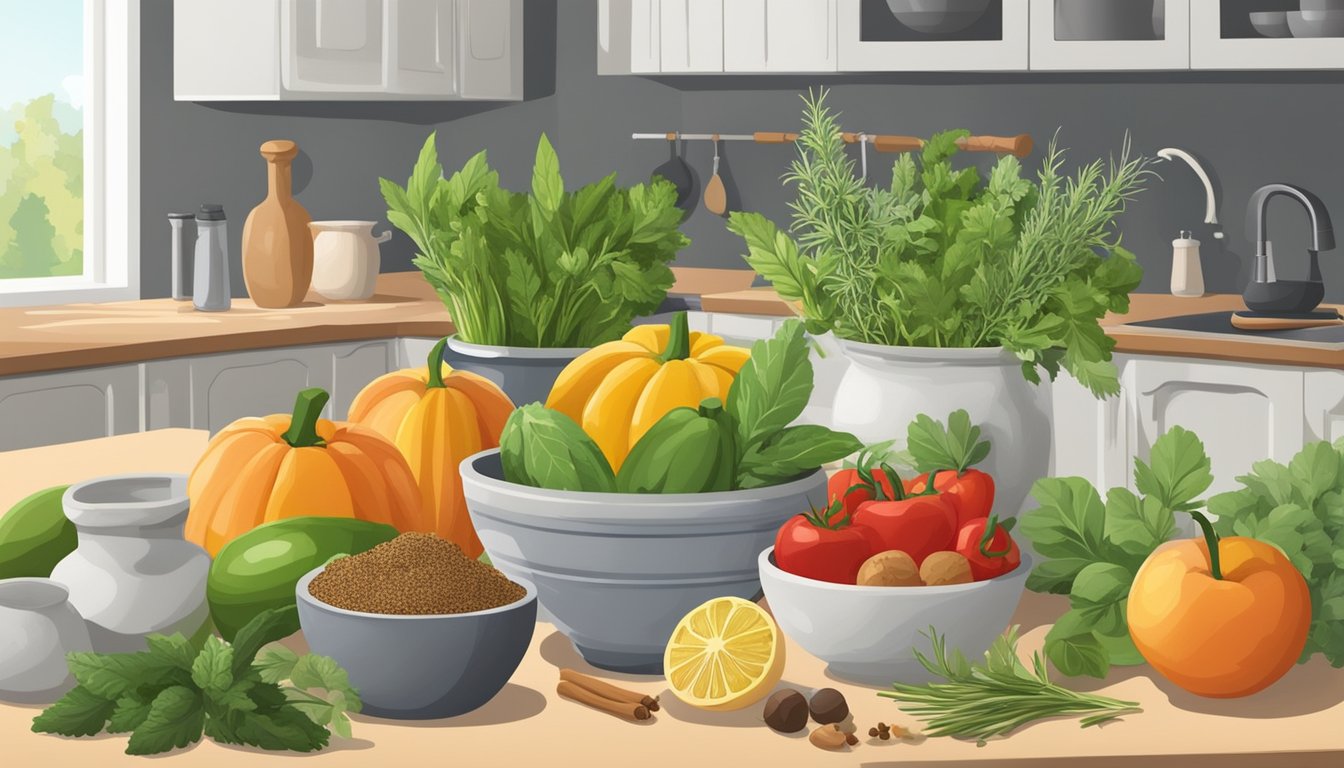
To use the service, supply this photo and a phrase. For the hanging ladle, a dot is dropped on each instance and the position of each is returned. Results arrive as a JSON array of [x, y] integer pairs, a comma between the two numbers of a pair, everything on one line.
[[716, 197]]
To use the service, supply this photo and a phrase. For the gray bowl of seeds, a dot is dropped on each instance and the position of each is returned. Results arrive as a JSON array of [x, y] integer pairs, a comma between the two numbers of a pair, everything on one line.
[[422, 630]]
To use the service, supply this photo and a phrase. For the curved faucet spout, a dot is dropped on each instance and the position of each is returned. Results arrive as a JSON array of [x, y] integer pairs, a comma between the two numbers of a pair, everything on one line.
[[1322, 232]]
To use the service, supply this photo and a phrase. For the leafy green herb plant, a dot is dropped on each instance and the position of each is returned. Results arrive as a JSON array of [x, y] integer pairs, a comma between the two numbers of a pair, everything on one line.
[[944, 258], [546, 269], [981, 701], [168, 696]]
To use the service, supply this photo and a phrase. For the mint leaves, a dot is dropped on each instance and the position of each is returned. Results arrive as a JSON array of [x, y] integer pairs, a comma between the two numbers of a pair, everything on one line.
[[171, 694], [1299, 508], [768, 394], [1095, 548]]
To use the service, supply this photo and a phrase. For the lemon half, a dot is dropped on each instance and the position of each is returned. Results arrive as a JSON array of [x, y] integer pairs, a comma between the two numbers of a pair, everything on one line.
[[725, 654]]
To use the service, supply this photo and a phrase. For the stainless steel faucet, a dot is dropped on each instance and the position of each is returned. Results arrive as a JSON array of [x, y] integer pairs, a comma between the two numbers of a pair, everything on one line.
[[1322, 232]]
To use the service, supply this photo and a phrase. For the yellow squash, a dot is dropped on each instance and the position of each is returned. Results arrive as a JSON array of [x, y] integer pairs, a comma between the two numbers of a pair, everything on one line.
[[437, 417], [617, 390], [257, 470]]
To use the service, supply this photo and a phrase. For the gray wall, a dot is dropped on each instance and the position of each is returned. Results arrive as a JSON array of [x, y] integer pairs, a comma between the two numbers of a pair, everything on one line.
[[1249, 128]]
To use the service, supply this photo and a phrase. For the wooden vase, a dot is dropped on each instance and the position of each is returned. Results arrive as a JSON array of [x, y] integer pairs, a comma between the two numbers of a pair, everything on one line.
[[277, 245]]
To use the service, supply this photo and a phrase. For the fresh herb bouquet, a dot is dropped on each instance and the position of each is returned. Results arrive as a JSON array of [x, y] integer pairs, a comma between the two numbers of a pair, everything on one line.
[[546, 269], [946, 258]]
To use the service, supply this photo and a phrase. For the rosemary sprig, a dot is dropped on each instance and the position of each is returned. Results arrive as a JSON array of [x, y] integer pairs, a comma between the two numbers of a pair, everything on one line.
[[994, 698]]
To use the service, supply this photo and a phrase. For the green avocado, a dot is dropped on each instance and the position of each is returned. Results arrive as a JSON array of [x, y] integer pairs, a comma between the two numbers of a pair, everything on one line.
[[258, 570], [35, 535]]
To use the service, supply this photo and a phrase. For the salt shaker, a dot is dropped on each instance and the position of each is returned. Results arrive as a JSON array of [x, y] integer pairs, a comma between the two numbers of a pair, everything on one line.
[[1187, 277], [211, 280], [178, 223]]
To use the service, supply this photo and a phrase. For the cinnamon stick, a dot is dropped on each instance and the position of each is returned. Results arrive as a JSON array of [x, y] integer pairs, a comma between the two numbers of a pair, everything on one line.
[[607, 690], [623, 709]]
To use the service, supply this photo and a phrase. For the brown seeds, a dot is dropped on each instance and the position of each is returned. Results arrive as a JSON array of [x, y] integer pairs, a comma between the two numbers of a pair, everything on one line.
[[828, 706], [786, 711], [946, 567], [414, 574], [892, 568], [851, 739]]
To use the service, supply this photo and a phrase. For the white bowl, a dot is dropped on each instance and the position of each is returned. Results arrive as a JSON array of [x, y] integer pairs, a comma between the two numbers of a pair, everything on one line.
[[1316, 23], [1271, 23], [869, 634]]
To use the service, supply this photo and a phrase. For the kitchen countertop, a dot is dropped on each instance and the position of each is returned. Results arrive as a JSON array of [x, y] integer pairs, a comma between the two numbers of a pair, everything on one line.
[[37, 339], [1295, 722]]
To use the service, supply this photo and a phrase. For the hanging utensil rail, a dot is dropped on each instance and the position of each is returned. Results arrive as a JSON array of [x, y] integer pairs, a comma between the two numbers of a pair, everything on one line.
[[1019, 145]]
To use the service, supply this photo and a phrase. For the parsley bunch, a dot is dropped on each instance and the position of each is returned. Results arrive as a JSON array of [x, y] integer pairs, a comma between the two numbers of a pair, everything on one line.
[[168, 696], [946, 258]]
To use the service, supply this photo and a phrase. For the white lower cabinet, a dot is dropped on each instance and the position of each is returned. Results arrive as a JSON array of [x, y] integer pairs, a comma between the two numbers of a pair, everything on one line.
[[62, 407], [1242, 412]]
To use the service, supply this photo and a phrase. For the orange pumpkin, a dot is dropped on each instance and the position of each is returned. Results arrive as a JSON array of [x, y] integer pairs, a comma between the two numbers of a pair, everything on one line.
[[437, 417], [1220, 627], [261, 469]]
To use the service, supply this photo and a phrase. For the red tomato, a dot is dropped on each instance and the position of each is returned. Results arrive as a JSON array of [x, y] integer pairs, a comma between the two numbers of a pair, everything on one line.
[[972, 492], [852, 489], [988, 547], [825, 546], [918, 525]]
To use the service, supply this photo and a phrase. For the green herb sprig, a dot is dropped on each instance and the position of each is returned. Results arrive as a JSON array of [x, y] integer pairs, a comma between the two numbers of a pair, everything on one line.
[[546, 269], [171, 694], [982, 701], [945, 258]]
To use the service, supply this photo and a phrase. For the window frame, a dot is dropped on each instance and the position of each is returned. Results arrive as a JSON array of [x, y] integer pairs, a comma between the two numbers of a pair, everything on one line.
[[111, 115]]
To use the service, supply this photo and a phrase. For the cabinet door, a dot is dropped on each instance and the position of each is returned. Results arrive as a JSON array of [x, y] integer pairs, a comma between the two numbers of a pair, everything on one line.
[[353, 366], [644, 37], [421, 40], [1222, 37], [50, 408], [332, 46], [872, 38], [490, 49], [230, 386], [1114, 34], [226, 51], [691, 35], [1323, 403], [779, 36], [1243, 413]]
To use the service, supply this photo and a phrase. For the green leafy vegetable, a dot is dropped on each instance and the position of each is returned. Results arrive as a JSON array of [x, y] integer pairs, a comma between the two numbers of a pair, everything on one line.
[[993, 698], [1093, 548], [170, 695], [544, 448], [546, 269], [946, 258], [1299, 508], [957, 446]]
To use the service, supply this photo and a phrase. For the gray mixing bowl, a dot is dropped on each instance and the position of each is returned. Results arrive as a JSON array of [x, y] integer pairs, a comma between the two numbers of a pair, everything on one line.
[[421, 667], [617, 571]]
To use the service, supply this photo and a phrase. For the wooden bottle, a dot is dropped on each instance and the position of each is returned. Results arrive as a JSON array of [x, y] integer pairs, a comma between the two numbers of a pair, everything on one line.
[[277, 245]]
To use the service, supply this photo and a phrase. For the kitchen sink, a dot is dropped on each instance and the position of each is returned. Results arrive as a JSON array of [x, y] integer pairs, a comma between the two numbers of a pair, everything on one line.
[[1221, 323]]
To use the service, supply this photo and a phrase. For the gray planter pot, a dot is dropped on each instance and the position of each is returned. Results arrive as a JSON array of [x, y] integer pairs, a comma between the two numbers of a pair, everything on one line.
[[524, 373], [617, 571]]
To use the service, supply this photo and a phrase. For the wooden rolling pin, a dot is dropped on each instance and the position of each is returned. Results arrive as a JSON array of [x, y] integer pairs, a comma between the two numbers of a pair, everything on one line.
[[1019, 145]]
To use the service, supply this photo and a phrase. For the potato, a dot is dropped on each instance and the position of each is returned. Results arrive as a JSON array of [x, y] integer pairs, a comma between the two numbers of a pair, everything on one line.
[[945, 568], [892, 568]]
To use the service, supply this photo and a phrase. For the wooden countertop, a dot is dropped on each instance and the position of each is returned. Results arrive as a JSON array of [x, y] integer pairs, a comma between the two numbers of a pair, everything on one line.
[[38, 339], [1295, 722]]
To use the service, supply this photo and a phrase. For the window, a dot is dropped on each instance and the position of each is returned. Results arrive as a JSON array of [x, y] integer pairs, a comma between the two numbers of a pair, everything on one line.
[[69, 151]]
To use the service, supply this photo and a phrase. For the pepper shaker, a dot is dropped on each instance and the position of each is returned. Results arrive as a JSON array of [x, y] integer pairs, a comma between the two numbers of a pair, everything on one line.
[[177, 222], [211, 279]]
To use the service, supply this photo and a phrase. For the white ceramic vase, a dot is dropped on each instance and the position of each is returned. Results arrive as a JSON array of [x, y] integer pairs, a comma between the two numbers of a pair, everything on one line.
[[345, 259], [37, 628], [885, 388], [132, 573]]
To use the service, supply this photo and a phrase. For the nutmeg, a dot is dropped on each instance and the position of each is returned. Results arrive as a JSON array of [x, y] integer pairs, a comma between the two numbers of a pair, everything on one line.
[[786, 711], [828, 706]]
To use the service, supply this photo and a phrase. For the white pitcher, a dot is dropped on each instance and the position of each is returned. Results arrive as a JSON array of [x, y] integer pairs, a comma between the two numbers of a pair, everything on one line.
[[37, 628], [345, 259]]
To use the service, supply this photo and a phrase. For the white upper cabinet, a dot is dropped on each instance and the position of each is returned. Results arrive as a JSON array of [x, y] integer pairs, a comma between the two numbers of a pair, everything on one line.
[[885, 35], [779, 36], [1223, 35], [690, 35], [347, 49], [1110, 34]]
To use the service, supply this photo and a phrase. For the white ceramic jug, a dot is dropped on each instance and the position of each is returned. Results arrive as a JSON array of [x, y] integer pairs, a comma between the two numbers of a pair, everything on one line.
[[345, 259], [132, 573], [37, 628]]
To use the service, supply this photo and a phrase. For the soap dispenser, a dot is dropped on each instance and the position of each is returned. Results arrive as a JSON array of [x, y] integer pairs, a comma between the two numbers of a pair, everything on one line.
[[1187, 277]]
